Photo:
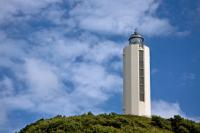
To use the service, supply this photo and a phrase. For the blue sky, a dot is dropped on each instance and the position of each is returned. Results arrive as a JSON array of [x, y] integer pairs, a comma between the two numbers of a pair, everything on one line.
[[65, 57]]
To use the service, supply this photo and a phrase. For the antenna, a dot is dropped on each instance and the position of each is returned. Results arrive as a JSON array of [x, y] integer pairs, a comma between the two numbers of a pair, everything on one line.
[[136, 30]]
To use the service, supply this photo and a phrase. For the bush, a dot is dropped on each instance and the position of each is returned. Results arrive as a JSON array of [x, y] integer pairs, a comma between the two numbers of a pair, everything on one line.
[[182, 129], [181, 125], [161, 122]]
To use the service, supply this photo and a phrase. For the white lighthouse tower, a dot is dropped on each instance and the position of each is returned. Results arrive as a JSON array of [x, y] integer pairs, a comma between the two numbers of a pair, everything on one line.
[[136, 83]]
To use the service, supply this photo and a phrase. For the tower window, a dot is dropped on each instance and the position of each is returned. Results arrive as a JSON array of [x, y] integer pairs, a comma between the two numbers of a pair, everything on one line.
[[141, 75]]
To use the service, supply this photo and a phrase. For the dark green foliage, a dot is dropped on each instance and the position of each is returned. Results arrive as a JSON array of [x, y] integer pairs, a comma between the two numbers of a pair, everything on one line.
[[183, 129], [181, 125], [161, 122], [112, 123]]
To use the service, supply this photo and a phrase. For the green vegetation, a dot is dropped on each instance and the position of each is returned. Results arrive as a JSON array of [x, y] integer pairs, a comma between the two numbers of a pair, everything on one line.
[[112, 123]]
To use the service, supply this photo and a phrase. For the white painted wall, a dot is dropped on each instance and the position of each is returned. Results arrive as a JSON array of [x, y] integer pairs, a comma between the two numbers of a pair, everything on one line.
[[132, 104]]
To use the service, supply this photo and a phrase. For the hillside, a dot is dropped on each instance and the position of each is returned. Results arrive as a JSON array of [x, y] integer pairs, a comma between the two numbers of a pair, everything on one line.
[[112, 123]]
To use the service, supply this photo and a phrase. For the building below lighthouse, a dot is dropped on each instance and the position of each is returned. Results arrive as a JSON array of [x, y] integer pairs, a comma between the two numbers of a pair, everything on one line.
[[136, 81]]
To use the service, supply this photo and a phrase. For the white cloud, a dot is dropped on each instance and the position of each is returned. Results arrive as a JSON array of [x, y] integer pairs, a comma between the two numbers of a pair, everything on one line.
[[166, 109], [169, 109], [10, 9], [46, 67], [120, 17], [40, 77], [4, 118], [105, 17], [6, 87]]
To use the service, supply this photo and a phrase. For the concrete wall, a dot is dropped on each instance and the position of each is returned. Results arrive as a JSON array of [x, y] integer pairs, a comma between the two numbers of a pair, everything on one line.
[[131, 100]]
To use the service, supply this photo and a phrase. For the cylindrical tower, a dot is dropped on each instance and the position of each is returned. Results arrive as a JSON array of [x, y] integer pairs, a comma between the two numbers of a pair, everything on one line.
[[136, 82]]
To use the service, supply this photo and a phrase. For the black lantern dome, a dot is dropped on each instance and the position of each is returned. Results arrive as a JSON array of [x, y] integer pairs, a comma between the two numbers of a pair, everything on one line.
[[136, 38]]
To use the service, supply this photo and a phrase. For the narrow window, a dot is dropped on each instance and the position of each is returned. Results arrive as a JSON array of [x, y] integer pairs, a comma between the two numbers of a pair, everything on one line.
[[141, 75]]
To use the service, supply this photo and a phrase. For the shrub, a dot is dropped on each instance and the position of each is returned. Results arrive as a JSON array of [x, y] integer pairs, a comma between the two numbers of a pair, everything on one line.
[[182, 129], [161, 122]]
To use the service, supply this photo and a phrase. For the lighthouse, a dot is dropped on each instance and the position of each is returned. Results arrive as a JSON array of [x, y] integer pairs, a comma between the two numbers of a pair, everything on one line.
[[136, 77]]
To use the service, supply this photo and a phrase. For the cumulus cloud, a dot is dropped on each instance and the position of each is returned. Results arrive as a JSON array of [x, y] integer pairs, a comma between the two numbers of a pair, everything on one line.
[[11, 9], [166, 109], [60, 73], [40, 78], [3, 120], [6, 87], [169, 109], [120, 17]]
